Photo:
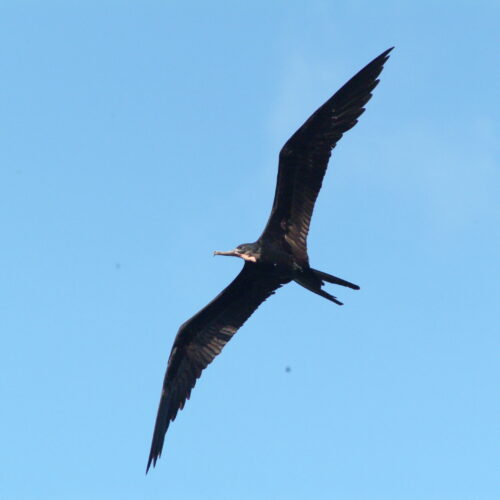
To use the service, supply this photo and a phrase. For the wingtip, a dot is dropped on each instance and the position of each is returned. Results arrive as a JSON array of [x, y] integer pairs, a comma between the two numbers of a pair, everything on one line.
[[151, 462], [153, 457], [384, 55]]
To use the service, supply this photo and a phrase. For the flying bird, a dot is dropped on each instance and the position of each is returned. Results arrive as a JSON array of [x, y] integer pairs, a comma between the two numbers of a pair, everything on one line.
[[277, 257]]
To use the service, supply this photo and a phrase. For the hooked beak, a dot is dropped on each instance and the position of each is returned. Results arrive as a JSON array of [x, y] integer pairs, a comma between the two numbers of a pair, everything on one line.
[[231, 253], [234, 253]]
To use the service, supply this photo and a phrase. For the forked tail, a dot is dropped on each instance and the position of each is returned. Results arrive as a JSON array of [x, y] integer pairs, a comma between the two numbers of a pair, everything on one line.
[[333, 279], [313, 280]]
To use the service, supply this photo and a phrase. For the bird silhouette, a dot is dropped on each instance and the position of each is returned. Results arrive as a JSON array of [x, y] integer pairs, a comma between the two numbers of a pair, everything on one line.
[[277, 257]]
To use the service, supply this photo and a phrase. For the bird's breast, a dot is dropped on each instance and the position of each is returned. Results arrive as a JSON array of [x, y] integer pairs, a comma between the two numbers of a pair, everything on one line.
[[277, 261]]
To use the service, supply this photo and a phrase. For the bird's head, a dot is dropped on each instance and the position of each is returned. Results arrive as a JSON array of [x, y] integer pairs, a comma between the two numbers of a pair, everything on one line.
[[249, 252]]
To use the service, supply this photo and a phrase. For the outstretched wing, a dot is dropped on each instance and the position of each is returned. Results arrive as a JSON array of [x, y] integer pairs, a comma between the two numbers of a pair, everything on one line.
[[201, 338], [304, 158]]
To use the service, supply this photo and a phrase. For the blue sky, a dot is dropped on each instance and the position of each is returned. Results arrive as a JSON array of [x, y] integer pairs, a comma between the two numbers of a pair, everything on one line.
[[138, 137]]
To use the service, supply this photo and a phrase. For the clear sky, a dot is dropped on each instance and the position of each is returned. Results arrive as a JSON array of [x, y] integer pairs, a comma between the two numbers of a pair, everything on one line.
[[138, 137]]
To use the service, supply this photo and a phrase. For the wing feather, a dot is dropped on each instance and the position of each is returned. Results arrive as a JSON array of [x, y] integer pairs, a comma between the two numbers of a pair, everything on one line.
[[304, 158], [201, 338]]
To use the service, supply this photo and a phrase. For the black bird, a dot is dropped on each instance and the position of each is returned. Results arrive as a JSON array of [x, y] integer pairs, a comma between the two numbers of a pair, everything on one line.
[[277, 257]]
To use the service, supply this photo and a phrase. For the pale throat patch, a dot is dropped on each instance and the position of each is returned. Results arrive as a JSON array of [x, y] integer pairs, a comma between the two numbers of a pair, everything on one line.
[[248, 258]]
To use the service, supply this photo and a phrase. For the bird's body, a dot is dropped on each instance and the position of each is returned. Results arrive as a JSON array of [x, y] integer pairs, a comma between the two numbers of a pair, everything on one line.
[[277, 257]]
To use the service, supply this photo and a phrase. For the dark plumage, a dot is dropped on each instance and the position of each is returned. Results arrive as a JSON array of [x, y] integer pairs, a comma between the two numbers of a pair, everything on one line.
[[277, 257]]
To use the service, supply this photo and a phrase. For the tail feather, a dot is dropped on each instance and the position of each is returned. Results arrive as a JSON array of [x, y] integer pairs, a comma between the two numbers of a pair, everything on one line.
[[333, 279], [313, 280], [309, 282], [328, 296]]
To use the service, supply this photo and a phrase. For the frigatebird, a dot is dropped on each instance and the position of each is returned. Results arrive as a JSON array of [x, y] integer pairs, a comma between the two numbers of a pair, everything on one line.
[[277, 257]]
